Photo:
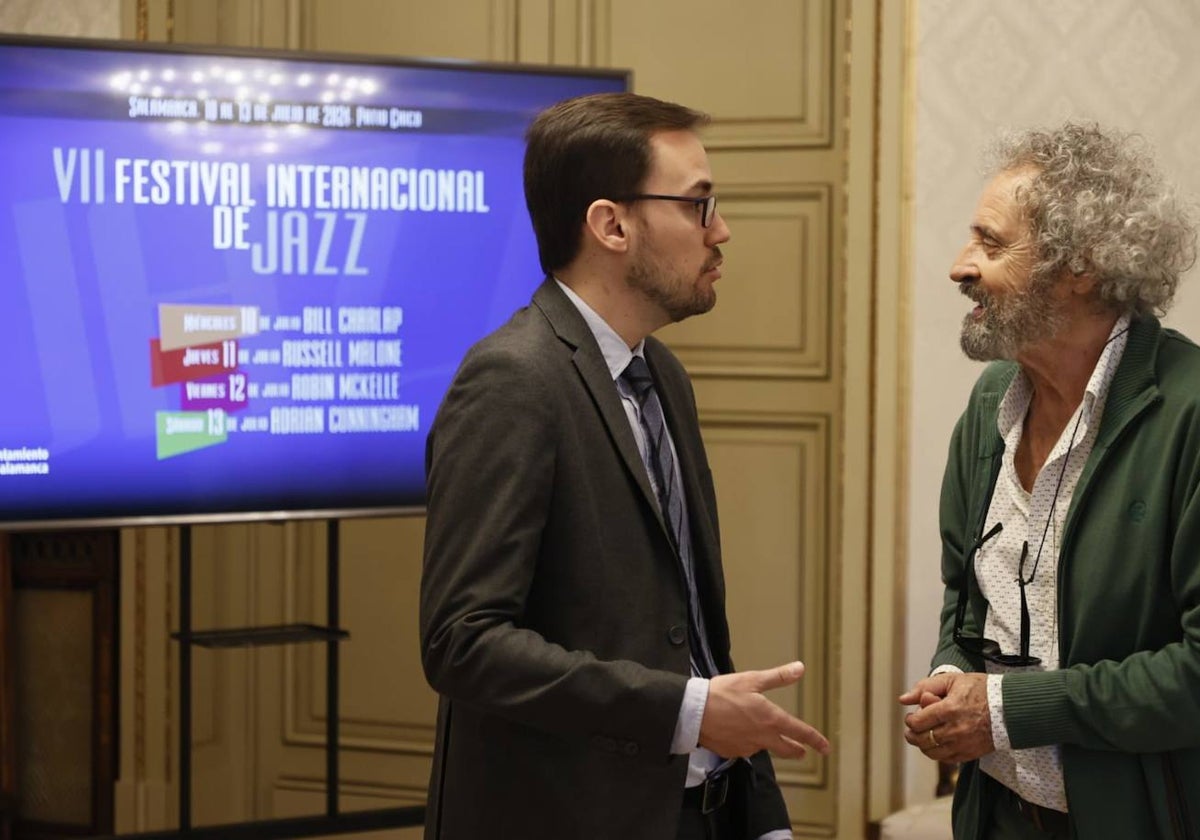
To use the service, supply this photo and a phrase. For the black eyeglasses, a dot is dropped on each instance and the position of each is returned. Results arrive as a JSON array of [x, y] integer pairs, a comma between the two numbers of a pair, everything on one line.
[[707, 204], [987, 648]]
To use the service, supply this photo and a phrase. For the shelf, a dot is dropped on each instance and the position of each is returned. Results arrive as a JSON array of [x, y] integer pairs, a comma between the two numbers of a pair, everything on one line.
[[406, 816], [277, 634]]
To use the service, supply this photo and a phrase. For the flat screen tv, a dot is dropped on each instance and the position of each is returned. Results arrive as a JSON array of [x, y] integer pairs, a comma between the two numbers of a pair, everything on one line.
[[236, 284]]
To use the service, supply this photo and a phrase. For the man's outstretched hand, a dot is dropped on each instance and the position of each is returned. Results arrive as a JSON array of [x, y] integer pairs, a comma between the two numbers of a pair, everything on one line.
[[739, 721]]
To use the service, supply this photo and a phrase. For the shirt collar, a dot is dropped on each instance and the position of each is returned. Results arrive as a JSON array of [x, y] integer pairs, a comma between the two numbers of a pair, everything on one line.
[[1106, 365], [1016, 399], [617, 354]]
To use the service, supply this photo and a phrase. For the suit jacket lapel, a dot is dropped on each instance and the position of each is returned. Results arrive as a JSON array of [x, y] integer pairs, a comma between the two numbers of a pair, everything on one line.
[[573, 331]]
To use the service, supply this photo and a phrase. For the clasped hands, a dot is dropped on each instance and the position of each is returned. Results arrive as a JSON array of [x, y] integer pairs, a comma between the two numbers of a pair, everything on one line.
[[739, 721], [954, 722]]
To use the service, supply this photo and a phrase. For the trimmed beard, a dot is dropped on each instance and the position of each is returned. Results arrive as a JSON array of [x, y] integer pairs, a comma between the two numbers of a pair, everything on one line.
[[1012, 322], [670, 291]]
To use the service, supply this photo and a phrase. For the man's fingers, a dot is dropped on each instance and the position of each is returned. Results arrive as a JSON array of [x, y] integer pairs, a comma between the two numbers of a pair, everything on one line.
[[921, 741], [938, 686], [789, 749], [923, 719], [775, 677], [910, 697], [797, 730]]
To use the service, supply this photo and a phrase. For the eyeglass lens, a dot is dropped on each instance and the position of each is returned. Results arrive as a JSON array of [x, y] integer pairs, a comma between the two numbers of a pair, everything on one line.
[[987, 648]]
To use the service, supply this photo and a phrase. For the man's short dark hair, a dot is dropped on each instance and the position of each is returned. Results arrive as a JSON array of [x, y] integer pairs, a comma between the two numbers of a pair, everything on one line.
[[588, 148]]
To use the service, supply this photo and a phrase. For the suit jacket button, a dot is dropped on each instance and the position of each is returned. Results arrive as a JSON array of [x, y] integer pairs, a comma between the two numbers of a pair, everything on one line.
[[677, 634], [630, 748]]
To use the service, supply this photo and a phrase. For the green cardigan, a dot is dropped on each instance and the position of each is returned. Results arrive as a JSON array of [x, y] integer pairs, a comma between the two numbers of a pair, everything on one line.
[[1125, 704]]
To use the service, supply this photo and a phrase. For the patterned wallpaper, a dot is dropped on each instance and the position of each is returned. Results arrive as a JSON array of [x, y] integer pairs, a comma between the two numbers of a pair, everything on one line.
[[79, 18], [982, 66]]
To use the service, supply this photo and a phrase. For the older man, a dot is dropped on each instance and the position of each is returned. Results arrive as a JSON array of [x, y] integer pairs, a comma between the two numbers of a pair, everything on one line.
[[1067, 674]]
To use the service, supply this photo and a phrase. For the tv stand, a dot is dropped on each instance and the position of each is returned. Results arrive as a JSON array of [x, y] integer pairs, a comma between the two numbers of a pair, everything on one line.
[[333, 820]]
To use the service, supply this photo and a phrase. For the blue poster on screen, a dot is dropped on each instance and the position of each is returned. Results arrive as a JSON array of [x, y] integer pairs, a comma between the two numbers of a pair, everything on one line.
[[234, 285]]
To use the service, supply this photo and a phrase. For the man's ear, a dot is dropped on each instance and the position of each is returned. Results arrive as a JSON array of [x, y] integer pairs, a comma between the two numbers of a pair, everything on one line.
[[1078, 277], [607, 224], [1083, 284]]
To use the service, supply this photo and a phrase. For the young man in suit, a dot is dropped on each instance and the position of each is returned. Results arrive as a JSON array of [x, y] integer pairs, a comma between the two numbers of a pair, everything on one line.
[[572, 597]]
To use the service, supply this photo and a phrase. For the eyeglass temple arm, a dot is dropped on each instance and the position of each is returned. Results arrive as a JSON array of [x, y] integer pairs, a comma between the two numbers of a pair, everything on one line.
[[1021, 581], [1024, 621], [960, 613]]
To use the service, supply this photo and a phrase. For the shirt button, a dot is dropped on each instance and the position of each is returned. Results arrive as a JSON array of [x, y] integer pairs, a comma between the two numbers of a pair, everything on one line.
[[677, 634]]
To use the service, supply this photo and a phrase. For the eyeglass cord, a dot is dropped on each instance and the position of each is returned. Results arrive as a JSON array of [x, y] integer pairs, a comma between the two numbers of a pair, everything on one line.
[[1058, 486]]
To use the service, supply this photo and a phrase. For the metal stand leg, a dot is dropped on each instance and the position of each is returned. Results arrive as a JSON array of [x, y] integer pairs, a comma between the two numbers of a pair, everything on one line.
[[332, 821], [331, 672], [185, 678]]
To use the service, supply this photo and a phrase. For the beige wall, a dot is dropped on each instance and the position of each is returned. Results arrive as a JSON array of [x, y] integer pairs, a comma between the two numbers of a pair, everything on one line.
[[982, 66], [789, 422], [783, 382], [816, 161], [79, 18]]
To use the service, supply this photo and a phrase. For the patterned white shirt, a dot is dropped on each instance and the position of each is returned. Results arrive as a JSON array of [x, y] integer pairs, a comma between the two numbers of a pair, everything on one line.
[[1037, 519]]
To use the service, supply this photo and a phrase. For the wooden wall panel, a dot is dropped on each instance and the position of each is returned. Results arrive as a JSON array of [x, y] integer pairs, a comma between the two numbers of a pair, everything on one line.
[[64, 649], [768, 360], [8, 723], [768, 76], [773, 313], [769, 363], [467, 29], [223, 747], [773, 490], [386, 704], [387, 710]]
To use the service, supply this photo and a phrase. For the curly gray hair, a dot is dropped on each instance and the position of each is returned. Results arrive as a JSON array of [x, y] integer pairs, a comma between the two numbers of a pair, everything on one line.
[[1098, 204]]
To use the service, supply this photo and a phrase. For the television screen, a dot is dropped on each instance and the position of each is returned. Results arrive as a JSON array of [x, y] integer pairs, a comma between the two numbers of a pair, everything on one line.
[[237, 284]]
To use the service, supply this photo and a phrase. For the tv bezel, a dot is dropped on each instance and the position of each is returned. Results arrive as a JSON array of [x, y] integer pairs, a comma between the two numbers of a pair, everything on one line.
[[277, 516]]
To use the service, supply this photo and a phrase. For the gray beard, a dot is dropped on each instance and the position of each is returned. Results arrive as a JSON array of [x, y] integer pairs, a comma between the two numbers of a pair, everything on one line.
[[1010, 324]]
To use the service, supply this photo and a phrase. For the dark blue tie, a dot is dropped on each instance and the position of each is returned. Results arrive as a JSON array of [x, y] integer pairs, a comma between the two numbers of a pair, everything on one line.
[[660, 464]]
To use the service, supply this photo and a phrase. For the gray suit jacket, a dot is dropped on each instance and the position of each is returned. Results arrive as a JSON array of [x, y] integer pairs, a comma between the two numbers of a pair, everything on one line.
[[553, 607]]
